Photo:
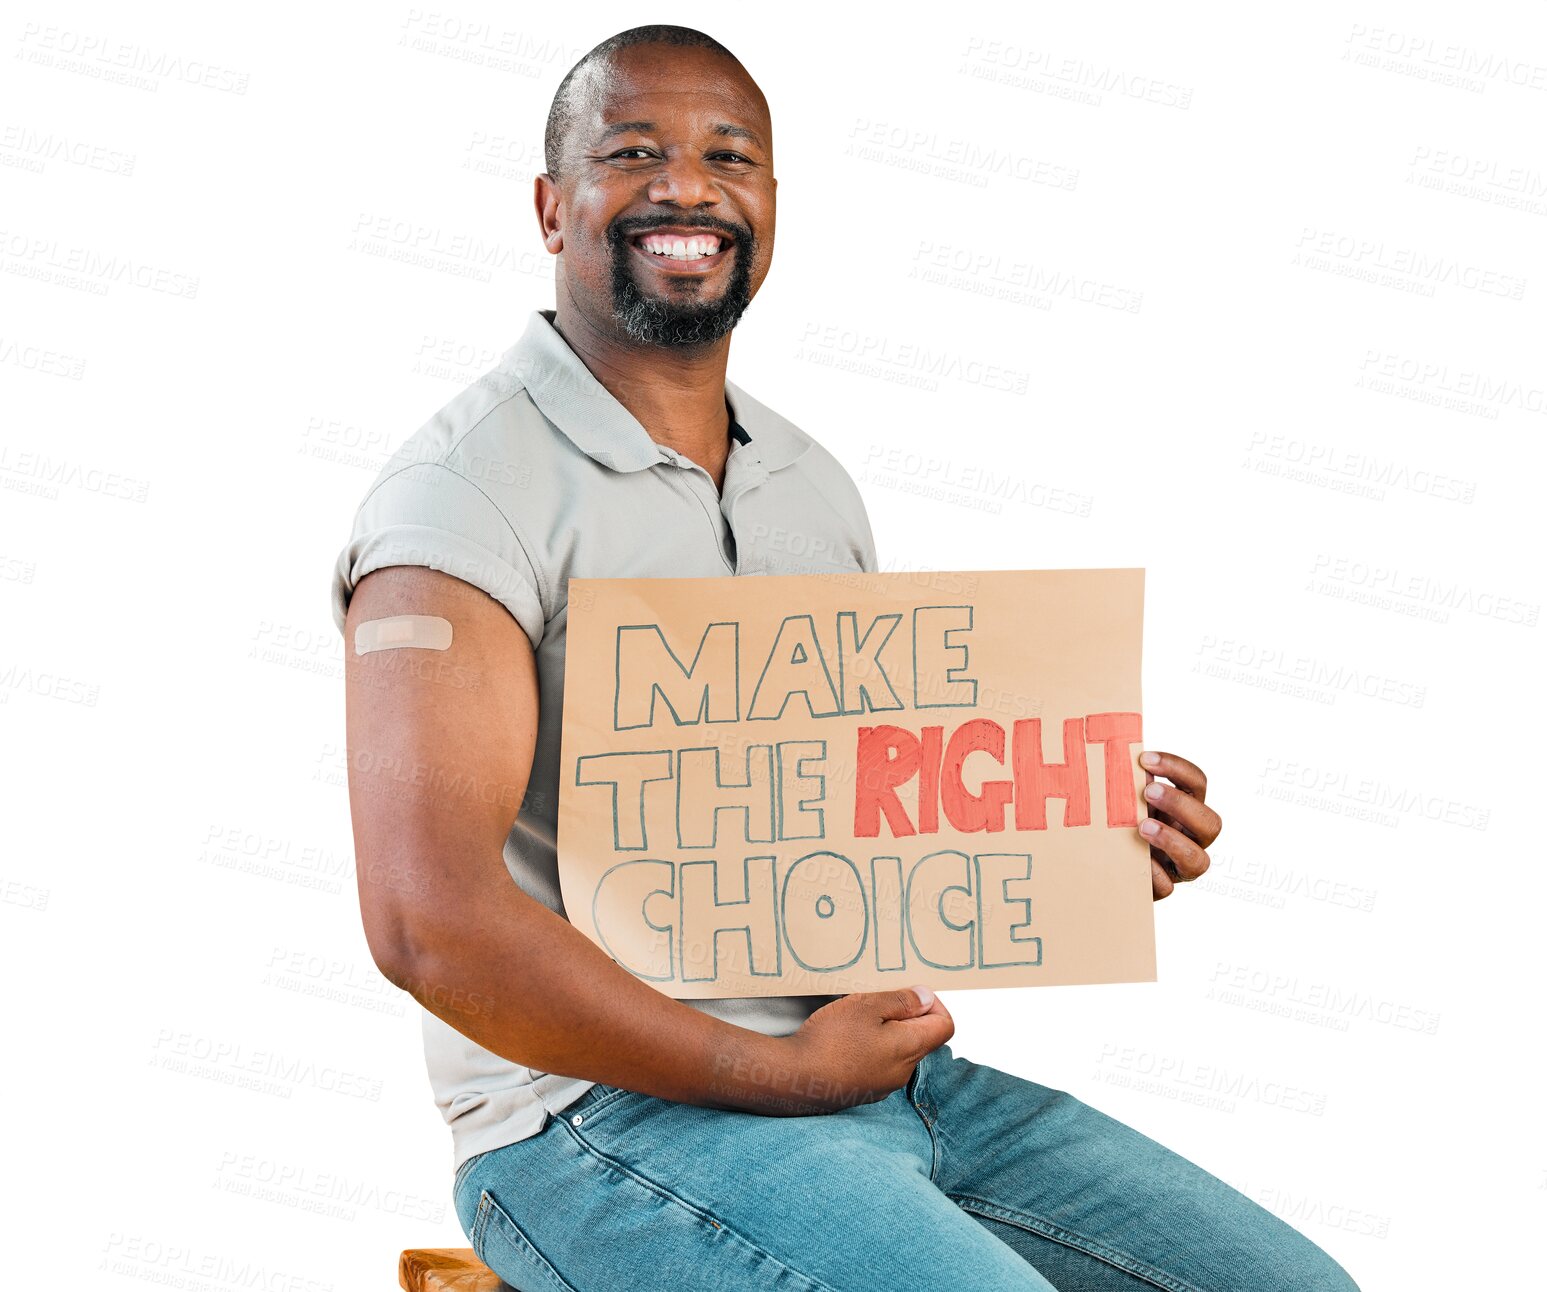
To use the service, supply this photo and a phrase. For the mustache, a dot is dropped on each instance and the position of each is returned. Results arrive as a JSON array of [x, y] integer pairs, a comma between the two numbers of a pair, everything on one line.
[[621, 230]]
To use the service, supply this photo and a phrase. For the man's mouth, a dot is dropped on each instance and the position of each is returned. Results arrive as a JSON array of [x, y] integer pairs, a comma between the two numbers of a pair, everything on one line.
[[679, 250]]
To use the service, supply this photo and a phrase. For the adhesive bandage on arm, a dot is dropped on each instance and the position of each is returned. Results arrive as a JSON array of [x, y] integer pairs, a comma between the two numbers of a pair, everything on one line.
[[426, 632]]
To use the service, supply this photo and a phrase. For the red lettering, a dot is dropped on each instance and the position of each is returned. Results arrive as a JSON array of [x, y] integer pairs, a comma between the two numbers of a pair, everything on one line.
[[984, 810], [929, 779], [886, 758], [1117, 732], [1036, 781]]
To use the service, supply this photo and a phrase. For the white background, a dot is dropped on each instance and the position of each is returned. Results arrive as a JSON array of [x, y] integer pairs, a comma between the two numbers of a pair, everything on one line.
[[1252, 299]]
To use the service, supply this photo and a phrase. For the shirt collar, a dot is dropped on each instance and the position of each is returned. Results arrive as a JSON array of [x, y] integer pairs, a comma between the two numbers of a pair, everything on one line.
[[570, 397]]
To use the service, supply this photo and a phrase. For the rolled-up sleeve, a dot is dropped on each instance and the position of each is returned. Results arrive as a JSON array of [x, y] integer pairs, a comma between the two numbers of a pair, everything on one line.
[[431, 515]]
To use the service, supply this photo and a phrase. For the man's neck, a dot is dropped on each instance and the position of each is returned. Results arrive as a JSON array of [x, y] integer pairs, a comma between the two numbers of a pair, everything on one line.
[[676, 394]]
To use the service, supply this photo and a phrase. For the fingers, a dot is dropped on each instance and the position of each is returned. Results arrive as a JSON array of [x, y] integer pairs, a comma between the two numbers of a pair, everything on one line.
[[1182, 852], [1183, 811], [1189, 776], [925, 1028], [926, 1032], [1180, 826]]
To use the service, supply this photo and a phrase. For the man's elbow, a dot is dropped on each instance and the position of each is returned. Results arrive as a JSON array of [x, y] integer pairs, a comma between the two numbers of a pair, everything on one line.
[[414, 954], [394, 959], [392, 946]]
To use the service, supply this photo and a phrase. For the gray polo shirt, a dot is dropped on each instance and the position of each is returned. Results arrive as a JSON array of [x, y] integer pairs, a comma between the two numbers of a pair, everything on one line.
[[534, 475]]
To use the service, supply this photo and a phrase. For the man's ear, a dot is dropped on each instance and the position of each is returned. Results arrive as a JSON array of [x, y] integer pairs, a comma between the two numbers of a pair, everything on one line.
[[548, 203]]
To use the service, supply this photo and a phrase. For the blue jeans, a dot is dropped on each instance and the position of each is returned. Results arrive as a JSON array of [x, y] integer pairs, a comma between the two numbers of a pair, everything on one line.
[[966, 1180]]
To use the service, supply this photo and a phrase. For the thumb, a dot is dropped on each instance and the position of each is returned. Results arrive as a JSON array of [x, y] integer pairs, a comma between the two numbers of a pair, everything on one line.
[[907, 1003]]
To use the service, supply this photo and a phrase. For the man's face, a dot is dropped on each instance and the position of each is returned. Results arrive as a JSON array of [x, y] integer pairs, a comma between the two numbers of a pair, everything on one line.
[[666, 197]]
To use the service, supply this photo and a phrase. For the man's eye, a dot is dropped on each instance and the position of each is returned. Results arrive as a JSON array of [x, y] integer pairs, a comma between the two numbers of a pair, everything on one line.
[[733, 156], [624, 151]]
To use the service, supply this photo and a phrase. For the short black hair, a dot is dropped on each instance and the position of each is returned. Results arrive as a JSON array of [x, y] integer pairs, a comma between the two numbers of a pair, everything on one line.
[[562, 114]]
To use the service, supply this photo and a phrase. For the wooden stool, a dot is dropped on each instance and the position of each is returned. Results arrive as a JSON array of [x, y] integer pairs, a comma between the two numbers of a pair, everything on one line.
[[447, 1269]]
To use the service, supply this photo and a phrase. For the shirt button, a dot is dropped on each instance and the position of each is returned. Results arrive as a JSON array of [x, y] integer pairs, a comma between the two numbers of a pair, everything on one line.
[[576, 1120]]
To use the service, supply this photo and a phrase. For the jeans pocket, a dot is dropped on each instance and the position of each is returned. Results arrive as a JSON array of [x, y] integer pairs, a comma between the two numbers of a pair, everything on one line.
[[503, 1246], [597, 1101]]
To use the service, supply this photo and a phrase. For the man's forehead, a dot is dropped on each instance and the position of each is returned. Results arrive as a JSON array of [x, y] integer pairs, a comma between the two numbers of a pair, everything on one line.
[[715, 92]]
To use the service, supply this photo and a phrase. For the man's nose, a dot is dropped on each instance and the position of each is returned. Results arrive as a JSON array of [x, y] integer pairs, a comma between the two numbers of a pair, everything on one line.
[[685, 181]]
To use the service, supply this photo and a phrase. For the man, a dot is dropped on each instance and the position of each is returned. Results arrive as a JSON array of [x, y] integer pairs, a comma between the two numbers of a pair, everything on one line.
[[608, 1136]]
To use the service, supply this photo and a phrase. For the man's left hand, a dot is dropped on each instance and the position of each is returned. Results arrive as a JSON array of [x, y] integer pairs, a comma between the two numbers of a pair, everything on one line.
[[1180, 825]]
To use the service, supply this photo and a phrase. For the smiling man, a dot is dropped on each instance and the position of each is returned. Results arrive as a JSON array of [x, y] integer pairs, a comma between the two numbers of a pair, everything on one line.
[[605, 1135]]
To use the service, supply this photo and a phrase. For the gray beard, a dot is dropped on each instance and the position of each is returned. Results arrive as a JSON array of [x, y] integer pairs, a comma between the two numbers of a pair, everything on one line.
[[652, 321]]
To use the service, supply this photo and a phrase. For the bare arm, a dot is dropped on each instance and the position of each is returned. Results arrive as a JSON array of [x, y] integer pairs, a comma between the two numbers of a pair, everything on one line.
[[440, 748]]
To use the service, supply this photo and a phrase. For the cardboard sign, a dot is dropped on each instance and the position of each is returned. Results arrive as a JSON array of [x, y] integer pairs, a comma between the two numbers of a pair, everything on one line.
[[828, 783]]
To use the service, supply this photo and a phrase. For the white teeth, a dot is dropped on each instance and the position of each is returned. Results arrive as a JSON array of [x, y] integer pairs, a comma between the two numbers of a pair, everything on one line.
[[694, 248]]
